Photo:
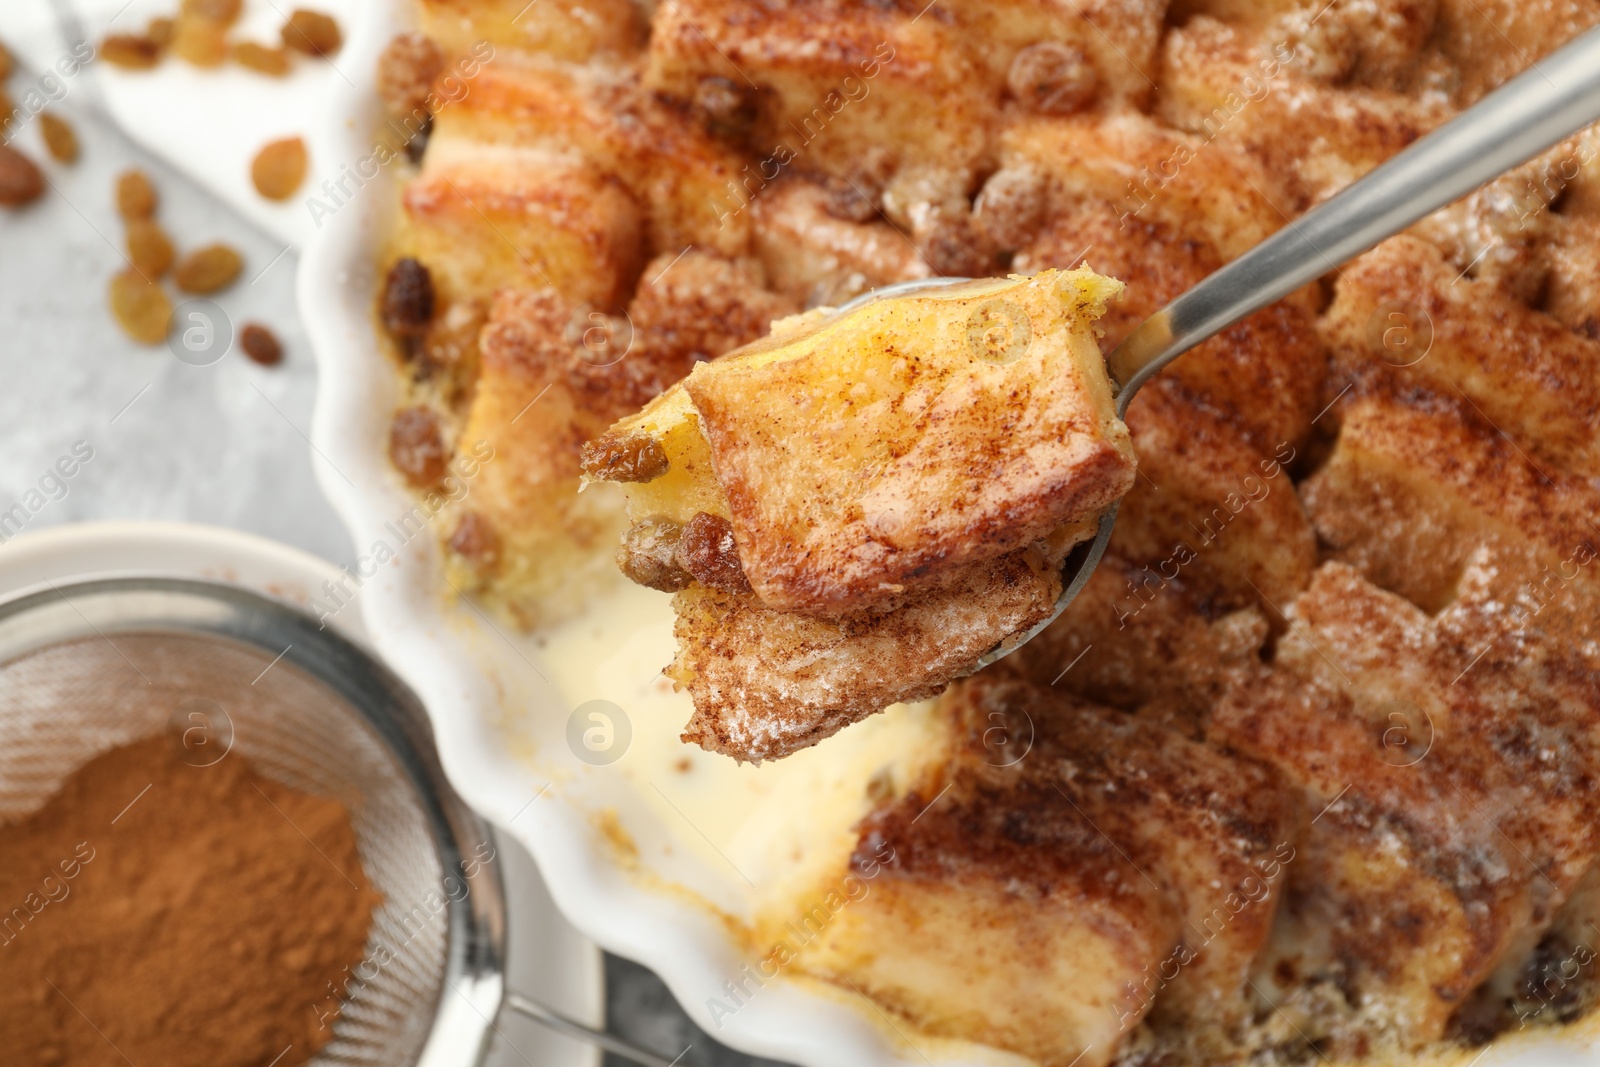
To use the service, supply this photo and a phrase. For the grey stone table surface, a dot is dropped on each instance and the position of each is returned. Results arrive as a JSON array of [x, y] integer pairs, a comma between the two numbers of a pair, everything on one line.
[[223, 444]]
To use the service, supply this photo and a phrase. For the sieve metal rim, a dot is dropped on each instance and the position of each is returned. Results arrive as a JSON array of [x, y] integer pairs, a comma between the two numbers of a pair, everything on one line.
[[39, 617]]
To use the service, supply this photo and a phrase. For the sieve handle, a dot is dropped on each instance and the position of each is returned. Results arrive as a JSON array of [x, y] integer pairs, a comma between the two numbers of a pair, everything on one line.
[[572, 1028]]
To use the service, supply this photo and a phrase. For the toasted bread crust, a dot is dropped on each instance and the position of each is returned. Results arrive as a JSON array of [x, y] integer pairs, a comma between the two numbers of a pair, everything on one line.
[[767, 683]]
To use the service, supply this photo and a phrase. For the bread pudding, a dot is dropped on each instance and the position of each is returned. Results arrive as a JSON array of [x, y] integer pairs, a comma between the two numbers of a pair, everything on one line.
[[1307, 770]]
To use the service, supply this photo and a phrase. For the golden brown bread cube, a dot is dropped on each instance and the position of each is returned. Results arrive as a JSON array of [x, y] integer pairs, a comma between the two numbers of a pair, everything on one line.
[[1150, 172], [1381, 903], [1250, 87], [1417, 483], [1043, 893], [527, 412], [1431, 502], [569, 29], [913, 436], [1191, 208], [979, 419], [890, 93], [949, 952], [1526, 373], [670, 166], [1451, 815], [765, 683], [483, 217]]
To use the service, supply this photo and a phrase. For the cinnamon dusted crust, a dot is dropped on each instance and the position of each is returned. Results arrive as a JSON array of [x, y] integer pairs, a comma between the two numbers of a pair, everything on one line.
[[1358, 560], [767, 683], [912, 437]]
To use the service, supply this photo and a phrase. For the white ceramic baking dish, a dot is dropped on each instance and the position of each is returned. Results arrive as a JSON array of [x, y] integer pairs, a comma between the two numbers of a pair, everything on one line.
[[627, 860]]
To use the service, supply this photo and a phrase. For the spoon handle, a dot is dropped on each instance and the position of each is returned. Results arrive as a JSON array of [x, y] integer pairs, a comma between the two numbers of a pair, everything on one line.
[[1552, 99]]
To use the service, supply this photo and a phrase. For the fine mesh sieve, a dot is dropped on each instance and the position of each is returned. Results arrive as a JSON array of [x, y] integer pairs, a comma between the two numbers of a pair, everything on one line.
[[88, 666]]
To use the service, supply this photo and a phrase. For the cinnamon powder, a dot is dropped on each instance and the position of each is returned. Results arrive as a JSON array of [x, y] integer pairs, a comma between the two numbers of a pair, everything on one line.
[[154, 912]]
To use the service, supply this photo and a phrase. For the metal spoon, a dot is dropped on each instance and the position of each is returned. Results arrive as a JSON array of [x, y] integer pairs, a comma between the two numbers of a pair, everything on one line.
[[1554, 98]]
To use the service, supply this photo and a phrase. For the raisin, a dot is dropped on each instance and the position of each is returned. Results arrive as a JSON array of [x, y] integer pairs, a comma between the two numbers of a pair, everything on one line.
[[406, 71], [848, 201], [312, 32], [261, 59], [1010, 207], [1480, 1020], [407, 298], [728, 109], [20, 179], [1052, 78], [200, 41], [140, 307], [130, 51], [59, 137], [648, 553], [1546, 983], [416, 447], [634, 458], [208, 269], [708, 552], [136, 197], [260, 345], [149, 248], [474, 539], [279, 168], [954, 248]]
